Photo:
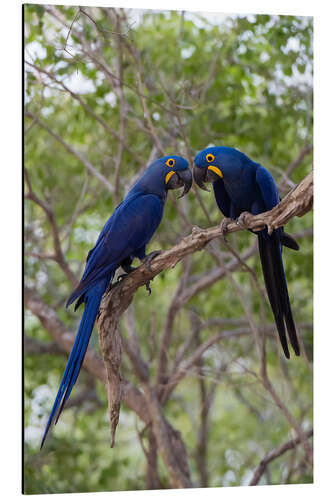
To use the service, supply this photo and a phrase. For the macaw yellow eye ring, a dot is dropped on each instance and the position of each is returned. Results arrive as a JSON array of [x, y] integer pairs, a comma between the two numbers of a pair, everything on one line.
[[170, 162], [210, 157]]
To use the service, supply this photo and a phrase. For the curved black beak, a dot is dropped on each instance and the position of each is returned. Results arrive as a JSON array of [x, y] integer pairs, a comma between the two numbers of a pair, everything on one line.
[[206, 174], [186, 177], [200, 177], [182, 178]]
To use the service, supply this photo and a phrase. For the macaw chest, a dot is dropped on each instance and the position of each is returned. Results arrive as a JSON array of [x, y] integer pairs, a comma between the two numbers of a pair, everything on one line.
[[241, 192]]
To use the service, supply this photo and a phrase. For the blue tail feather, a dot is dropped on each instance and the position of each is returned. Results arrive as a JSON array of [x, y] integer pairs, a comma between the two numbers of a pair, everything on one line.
[[270, 249], [92, 301]]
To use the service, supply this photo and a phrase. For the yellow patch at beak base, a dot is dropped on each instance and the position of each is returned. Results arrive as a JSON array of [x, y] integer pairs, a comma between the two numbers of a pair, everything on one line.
[[216, 170], [168, 175]]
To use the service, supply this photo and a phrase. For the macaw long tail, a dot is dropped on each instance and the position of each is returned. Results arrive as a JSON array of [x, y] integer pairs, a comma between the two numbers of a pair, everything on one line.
[[276, 286], [92, 301]]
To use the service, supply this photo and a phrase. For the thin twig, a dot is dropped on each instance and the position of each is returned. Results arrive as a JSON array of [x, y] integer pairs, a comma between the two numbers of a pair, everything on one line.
[[58, 255], [75, 153]]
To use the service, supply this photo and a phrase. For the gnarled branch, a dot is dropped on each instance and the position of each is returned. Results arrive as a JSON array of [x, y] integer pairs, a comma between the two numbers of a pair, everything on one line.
[[296, 203]]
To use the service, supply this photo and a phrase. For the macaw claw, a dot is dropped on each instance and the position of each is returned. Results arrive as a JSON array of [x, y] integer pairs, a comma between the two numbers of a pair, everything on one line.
[[147, 260], [224, 225], [121, 277], [148, 288], [241, 221], [129, 270]]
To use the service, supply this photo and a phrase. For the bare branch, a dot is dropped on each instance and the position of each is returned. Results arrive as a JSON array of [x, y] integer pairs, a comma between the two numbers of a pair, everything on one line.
[[123, 111], [101, 63], [119, 137], [169, 442], [71, 150], [291, 419], [203, 430], [34, 346], [165, 341], [111, 347], [185, 367], [276, 453], [297, 202], [59, 256], [147, 408], [92, 362], [294, 164], [133, 51], [119, 297], [152, 479]]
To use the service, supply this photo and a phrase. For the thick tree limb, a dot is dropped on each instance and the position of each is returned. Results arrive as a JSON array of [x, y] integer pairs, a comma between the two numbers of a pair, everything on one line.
[[169, 442], [166, 337], [111, 347]]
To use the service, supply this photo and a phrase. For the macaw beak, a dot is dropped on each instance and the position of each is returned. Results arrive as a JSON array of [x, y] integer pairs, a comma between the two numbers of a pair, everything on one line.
[[182, 178], [206, 174]]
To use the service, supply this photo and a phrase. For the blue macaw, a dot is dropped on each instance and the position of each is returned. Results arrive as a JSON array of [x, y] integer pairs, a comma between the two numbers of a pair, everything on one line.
[[124, 237], [241, 185]]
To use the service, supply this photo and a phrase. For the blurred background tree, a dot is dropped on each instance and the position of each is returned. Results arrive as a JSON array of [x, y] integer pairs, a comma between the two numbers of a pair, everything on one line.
[[107, 91]]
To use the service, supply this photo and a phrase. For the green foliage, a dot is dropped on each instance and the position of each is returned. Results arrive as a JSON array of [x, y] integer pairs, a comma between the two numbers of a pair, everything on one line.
[[245, 82]]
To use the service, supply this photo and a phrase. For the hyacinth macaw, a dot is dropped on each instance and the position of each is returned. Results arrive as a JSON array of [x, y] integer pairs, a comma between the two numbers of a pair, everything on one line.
[[124, 237], [241, 185]]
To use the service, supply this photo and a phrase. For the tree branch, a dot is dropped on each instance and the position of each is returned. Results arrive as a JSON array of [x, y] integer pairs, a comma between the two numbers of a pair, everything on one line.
[[119, 137], [272, 455], [305, 151], [169, 442], [75, 153], [145, 405], [165, 342], [59, 255], [64, 338], [296, 203], [34, 346]]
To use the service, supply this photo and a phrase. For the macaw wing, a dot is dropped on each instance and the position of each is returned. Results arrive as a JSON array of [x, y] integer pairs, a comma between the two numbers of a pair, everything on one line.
[[267, 187], [129, 228], [271, 198], [222, 198]]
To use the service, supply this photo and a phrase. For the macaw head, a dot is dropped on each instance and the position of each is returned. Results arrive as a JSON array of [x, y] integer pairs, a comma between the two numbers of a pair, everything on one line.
[[207, 166], [168, 172], [176, 173]]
